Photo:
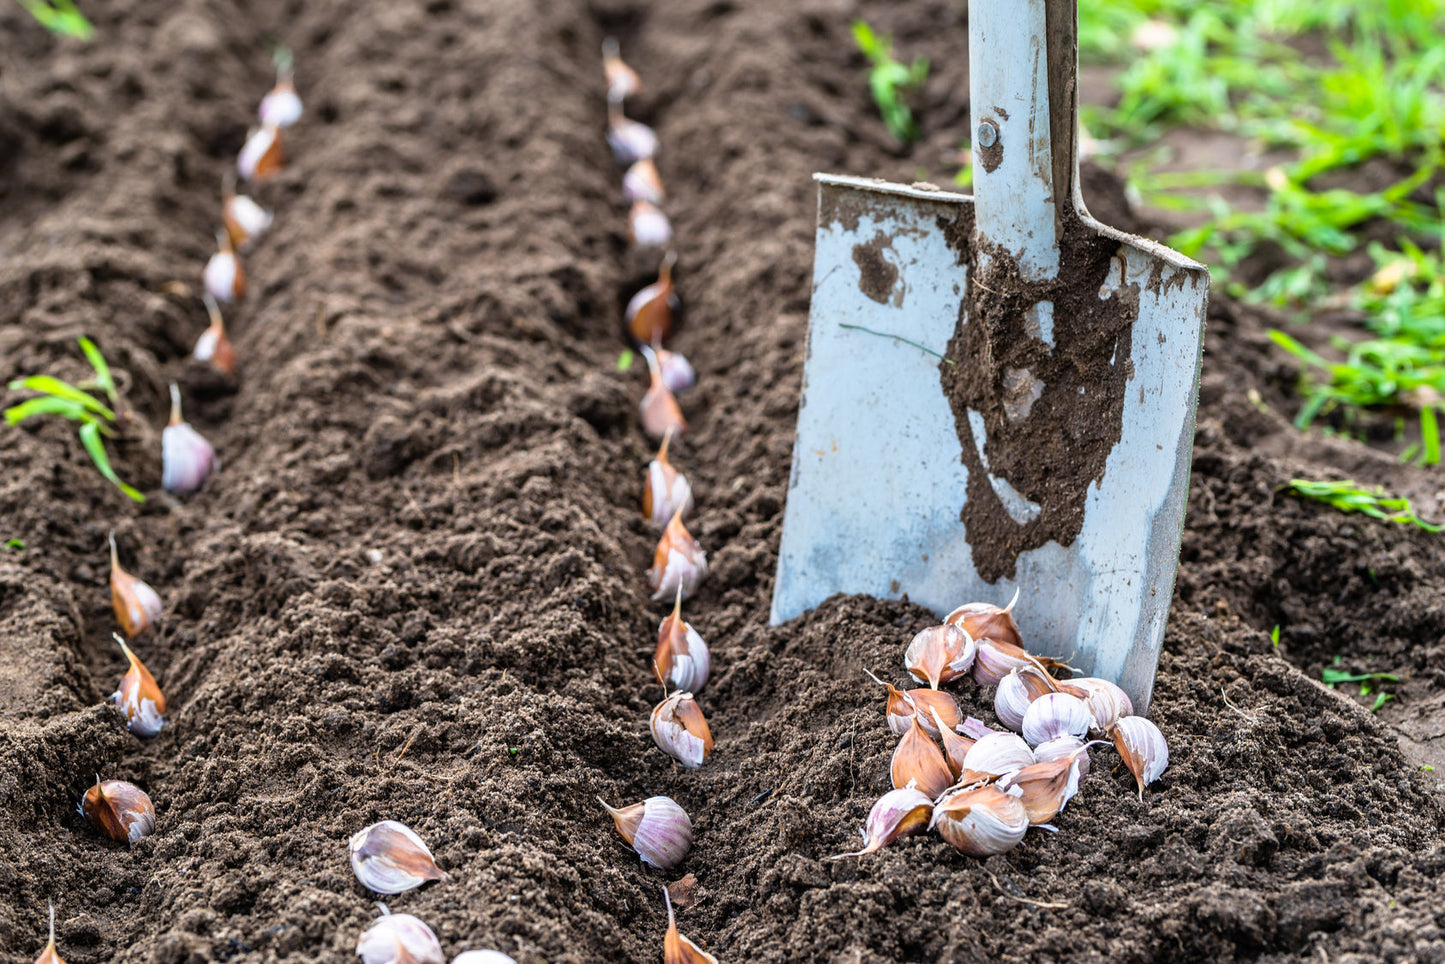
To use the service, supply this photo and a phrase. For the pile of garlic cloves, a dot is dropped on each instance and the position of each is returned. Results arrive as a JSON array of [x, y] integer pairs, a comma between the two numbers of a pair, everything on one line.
[[984, 788]]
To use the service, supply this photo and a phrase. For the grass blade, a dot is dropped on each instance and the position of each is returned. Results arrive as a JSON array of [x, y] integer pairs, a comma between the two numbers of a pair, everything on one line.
[[102, 370], [90, 438], [46, 405], [51, 385], [1430, 431]]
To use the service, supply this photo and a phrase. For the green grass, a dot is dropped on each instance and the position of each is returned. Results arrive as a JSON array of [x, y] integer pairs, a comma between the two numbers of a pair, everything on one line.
[[890, 81], [1346, 496], [60, 17], [1333, 675]]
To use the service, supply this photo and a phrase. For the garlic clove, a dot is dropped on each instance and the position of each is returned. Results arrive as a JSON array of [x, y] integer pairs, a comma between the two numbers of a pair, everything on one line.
[[677, 372], [50, 955], [187, 459], [399, 939], [622, 80], [629, 140], [213, 345], [281, 107], [245, 220], [945, 706], [224, 277], [135, 603], [994, 755], [659, 411], [118, 809], [389, 858], [666, 492], [678, 564], [1046, 787], [980, 821], [898, 709], [1106, 701], [482, 957], [939, 654], [682, 658], [955, 747], [987, 621], [649, 312], [681, 731], [643, 183], [996, 658], [262, 155], [648, 226], [975, 728], [1011, 700], [1143, 749], [139, 698], [677, 949], [657, 828], [898, 813], [917, 761], [1061, 746], [1054, 715]]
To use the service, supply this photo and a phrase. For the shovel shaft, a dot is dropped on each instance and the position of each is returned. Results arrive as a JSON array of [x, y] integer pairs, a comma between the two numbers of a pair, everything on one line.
[[1022, 79]]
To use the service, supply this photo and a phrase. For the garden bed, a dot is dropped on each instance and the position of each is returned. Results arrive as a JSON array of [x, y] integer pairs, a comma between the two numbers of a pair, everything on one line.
[[415, 591]]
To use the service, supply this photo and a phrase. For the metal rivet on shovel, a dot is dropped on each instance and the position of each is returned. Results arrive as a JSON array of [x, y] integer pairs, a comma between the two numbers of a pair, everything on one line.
[[999, 390]]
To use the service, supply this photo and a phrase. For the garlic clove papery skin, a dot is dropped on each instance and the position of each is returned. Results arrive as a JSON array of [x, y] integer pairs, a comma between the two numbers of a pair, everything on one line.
[[927, 702], [135, 603], [1063, 746], [980, 821], [1053, 715], [648, 226], [1143, 749], [643, 183], [657, 828], [680, 730], [898, 813], [677, 949], [985, 620], [120, 810], [940, 654], [138, 697], [1106, 701], [261, 155], [482, 957], [679, 563], [630, 141], [245, 220], [399, 939], [996, 659], [649, 312], [683, 661], [389, 858], [994, 755], [281, 107], [677, 372], [668, 493], [955, 747], [917, 761], [1045, 788], [975, 729]]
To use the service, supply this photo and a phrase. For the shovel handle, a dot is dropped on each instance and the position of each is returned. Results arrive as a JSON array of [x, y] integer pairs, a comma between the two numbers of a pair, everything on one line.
[[1023, 105]]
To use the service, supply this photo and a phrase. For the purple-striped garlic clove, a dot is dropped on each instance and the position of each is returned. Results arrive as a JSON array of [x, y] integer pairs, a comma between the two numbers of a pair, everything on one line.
[[399, 939], [389, 858], [994, 755], [657, 828], [187, 459], [678, 563], [981, 821], [1142, 748], [1053, 715], [648, 226], [898, 813], [682, 661], [630, 141], [643, 183], [680, 730], [1106, 701]]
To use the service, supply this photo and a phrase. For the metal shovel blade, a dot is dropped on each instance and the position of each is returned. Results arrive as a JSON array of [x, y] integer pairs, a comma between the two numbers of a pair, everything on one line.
[[999, 391]]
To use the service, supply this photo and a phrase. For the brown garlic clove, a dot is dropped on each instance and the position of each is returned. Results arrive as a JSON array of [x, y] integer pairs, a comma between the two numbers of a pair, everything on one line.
[[681, 731], [678, 564], [677, 949], [50, 955], [898, 813], [996, 658], [118, 809], [981, 821], [622, 80], [940, 654], [987, 621], [666, 491], [898, 709], [657, 828], [262, 155], [917, 761], [1045, 787], [245, 220], [214, 345], [1142, 748], [389, 858], [659, 411], [925, 701], [955, 747], [682, 661], [224, 277], [649, 312], [139, 698], [135, 603]]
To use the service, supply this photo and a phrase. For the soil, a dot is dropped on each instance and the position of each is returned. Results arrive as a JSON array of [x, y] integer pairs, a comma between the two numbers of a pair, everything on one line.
[[415, 590]]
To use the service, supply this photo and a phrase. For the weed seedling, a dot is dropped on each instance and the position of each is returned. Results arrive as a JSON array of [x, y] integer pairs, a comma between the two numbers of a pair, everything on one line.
[[60, 17], [1332, 675], [1349, 497], [73, 402], [891, 82], [15, 545]]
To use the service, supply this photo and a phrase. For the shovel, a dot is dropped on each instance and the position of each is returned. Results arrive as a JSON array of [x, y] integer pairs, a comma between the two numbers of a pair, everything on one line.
[[999, 391]]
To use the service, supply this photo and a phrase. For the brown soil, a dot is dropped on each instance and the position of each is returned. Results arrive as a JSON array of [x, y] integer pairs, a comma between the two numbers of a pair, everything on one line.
[[415, 589]]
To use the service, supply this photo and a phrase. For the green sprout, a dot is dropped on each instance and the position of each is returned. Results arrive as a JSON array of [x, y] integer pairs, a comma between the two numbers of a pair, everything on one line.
[[15, 545], [1349, 497], [890, 81], [1332, 675], [60, 17], [1274, 636], [73, 402]]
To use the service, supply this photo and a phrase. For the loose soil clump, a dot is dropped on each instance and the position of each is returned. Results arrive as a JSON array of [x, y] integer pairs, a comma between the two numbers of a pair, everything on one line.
[[415, 591]]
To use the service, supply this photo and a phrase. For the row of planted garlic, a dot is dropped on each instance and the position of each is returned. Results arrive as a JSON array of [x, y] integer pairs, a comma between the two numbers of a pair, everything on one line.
[[985, 788], [119, 809], [658, 828]]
